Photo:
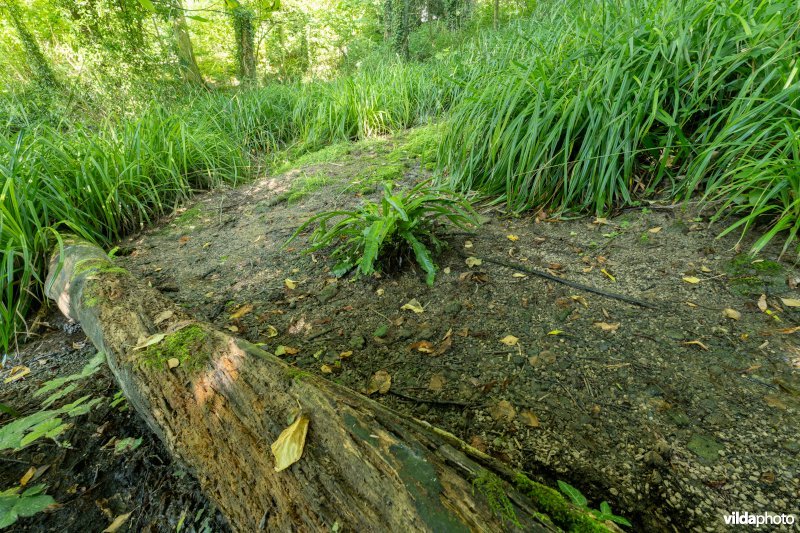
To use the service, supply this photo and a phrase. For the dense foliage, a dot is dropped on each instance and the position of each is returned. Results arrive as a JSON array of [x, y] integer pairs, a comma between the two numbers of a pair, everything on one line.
[[576, 105]]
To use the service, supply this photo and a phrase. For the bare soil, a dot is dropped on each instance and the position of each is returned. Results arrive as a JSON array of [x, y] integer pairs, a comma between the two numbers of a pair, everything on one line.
[[676, 414]]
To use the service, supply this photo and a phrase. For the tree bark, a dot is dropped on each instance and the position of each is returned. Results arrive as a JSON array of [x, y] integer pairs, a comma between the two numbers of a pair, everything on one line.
[[364, 467], [183, 46], [244, 33]]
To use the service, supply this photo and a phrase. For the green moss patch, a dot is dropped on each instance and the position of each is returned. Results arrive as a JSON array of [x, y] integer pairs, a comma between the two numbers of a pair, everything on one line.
[[551, 503], [188, 345], [750, 276]]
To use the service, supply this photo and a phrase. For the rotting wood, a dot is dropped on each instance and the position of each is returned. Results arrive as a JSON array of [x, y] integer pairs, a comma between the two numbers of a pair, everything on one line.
[[364, 467]]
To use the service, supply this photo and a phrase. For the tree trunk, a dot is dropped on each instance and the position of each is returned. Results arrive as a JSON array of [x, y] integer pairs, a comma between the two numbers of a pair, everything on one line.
[[183, 46], [364, 467], [245, 44], [39, 64]]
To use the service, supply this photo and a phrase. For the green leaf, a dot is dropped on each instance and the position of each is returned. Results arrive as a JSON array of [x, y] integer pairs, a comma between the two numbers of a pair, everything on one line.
[[423, 257], [148, 5], [373, 239], [574, 494], [198, 18]]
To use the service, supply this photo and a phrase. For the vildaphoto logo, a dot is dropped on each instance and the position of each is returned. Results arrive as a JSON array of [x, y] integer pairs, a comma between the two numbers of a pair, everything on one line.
[[760, 519]]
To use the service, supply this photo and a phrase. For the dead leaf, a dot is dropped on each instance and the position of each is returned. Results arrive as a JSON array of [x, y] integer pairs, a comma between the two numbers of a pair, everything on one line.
[[422, 346], [290, 284], [600, 221], [691, 304], [789, 331], [791, 302], [380, 292], [609, 276], [380, 383], [172, 362], [473, 261], [518, 275], [345, 355], [243, 310], [654, 230], [762, 303], [28, 475], [775, 401], [467, 244], [445, 345], [117, 523], [580, 299], [691, 279], [232, 328], [503, 411], [555, 332], [476, 276], [288, 448], [413, 305], [605, 326], [697, 343], [161, 317], [705, 269], [149, 341], [446, 270], [436, 383], [18, 372], [509, 340], [271, 331], [529, 419], [286, 350], [511, 237], [732, 313], [326, 369]]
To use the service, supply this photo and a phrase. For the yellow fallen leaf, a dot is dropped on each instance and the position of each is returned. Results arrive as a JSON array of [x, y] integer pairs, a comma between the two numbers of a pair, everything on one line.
[[28, 475], [473, 261], [600, 221], [791, 302], [511, 237], [691, 279], [436, 383], [446, 270], [509, 340], [609, 276], [345, 355], [291, 285], [605, 326], [380, 382], [467, 244], [380, 292], [580, 299], [18, 372], [555, 332], [326, 369], [243, 310], [732, 313], [518, 275], [288, 448], [161, 317], [789, 331], [697, 343], [654, 230], [503, 411], [172, 362], [762, 303], [413, 305], [117, 523], [286, 350], [691, 304], [232, 328], [705, 269], [271, 331], [149, 341], [529, 419]]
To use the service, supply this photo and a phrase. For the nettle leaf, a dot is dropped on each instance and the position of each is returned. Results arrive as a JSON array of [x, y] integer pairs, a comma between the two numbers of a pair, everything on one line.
[[574, 494]]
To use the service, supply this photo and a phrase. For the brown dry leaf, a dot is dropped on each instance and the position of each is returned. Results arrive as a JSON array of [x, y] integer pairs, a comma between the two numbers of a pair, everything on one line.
[[789, 331], [600, 221], [477, 277], [290, 284], [697, 343], [511, 237], [473, 262], [791, 302], [654, 230], [580, 299], [775, 401], [529, 419], [413, 305], [286, 350], [288, 448], [422, 346], [117, 523], [28, 475], [605, 326], [445, 345], [161, 317], [762, 303], [463, 332], [173, 362], [691, 279], [437, 382], [732, 313], [243, 310], [149, 341], [478, 443], [510, 340], [183, 240], [503, 411], [380, 383]]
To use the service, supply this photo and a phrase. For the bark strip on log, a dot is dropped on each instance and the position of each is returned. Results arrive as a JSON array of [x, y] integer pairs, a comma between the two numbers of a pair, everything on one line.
[[365, 467]]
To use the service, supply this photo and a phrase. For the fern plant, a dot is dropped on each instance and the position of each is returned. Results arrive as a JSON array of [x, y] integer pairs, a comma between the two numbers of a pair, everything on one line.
[[603, 514], [383, 235]]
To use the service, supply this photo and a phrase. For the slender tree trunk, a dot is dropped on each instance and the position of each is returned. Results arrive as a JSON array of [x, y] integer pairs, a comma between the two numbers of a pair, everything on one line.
[[38, 63], [183, 46], [245, 44], [496, 13], [218, 403]]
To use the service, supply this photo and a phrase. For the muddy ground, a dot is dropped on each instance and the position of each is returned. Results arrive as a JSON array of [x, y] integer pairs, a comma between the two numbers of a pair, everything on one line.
[[677, 414]]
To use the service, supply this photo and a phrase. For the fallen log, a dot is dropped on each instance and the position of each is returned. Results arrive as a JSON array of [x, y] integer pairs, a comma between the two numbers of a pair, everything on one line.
[[218, 403]]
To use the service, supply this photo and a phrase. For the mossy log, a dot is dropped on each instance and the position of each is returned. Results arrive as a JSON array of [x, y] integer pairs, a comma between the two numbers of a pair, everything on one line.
[[364, 467]]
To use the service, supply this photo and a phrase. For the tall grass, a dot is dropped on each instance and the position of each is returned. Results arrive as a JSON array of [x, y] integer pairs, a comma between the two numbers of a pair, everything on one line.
[[614, 101]]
